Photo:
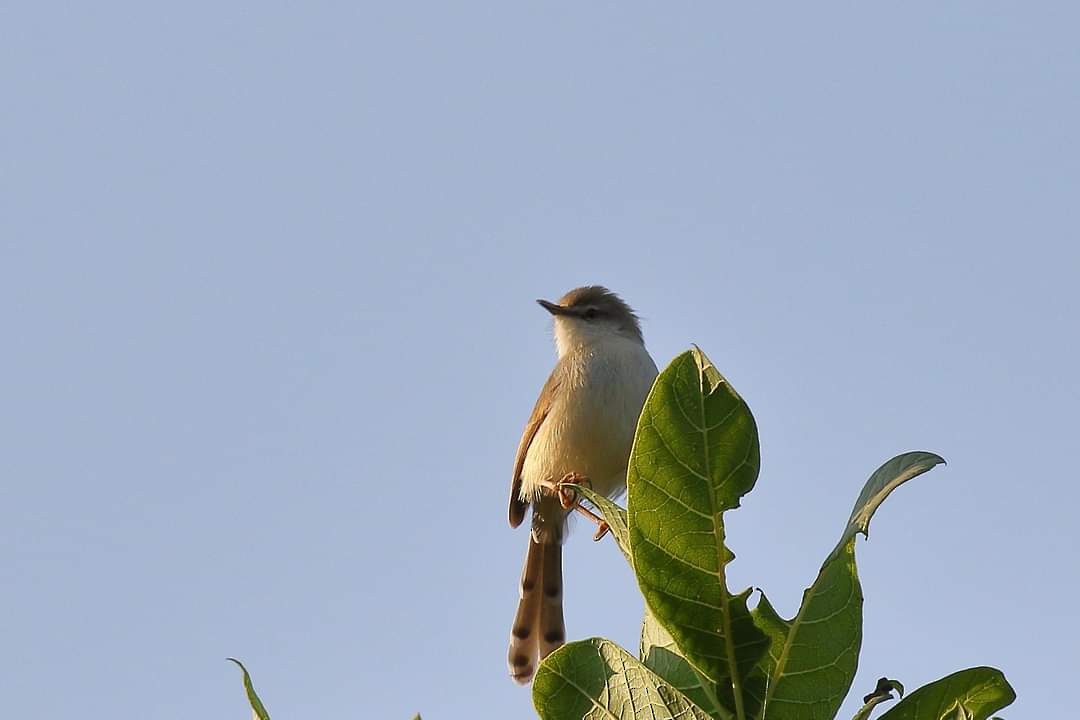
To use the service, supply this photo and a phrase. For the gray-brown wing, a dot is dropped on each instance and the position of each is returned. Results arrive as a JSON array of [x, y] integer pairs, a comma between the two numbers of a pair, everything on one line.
[[539, 414]]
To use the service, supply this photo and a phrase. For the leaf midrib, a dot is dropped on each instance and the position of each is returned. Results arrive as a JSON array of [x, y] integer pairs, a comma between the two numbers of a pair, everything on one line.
[[718, 532]]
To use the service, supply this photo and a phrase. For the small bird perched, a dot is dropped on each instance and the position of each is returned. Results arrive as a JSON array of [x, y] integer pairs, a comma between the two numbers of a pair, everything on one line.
[[581, 430]]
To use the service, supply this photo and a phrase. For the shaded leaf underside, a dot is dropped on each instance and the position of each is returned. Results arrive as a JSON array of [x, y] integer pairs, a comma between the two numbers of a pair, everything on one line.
[[661, 655], [596, 679]]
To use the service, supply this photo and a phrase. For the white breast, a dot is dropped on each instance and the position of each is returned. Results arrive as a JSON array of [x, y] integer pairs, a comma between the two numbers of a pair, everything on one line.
[[590, 428]]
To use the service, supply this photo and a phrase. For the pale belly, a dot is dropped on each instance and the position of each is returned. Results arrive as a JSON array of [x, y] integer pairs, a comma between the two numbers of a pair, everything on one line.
[[590, 429]]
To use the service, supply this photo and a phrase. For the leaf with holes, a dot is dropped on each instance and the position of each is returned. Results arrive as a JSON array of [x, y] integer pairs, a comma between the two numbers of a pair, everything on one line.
[[695, 455]]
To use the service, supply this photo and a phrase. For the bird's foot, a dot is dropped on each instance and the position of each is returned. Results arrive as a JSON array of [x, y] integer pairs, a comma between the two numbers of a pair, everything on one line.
[[565, 488], [569, 500]]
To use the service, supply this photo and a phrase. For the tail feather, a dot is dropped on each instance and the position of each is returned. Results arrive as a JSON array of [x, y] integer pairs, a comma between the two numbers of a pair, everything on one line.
[[538, 624], [552, 626]]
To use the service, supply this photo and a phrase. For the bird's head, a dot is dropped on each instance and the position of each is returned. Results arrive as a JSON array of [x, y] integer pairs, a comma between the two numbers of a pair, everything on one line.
[[591, 314]]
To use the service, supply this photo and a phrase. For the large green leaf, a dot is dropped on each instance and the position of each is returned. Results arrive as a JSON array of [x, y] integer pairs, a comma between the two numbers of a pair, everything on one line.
[[662, 656], [812, 658], [972, 694], [658, 649], [595, 678], [695, 455], [258, 712]]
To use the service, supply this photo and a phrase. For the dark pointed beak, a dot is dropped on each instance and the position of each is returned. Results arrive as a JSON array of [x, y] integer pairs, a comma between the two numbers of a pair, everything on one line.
[[553, 308]]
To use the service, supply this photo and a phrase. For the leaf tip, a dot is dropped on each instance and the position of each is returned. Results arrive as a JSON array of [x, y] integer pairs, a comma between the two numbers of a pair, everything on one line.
[[710, 376], [888, 477], [700, 358]]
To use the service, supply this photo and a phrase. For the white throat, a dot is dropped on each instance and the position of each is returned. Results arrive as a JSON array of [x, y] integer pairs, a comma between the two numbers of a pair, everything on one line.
[[574, 334]]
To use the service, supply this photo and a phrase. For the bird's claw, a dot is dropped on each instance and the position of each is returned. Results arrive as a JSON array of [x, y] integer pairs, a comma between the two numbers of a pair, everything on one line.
[[565, 489]]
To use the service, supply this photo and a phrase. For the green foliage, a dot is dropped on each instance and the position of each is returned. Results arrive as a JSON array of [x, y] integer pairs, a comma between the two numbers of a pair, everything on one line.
[[597, 678], [695, 454], [258, 712], [704, 652], [615, 516], [812, 658], [972, 694]]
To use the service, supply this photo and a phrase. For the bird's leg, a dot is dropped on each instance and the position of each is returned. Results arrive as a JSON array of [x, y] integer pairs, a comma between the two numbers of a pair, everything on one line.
[[601, 524], [569, 500]]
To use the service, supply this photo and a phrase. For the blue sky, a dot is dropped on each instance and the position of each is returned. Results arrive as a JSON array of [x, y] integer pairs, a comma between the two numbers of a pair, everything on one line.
[[266, 287]]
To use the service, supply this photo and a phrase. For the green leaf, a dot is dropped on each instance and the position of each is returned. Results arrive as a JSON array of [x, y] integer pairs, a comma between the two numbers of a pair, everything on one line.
[[613, 514], [661, 655], [812, 658], [695, 455], [596, 679], [885, 479], [258, 712], [972, 694]]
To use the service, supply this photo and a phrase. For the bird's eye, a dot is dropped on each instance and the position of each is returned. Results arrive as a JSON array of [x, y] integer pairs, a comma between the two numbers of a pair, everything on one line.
[[590, 314]]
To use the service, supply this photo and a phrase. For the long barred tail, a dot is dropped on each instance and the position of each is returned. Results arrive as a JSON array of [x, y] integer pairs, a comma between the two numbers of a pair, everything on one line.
[[538, 624]]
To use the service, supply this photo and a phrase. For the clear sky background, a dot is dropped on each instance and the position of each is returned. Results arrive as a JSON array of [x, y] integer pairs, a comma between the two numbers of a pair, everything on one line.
[[269, 338]]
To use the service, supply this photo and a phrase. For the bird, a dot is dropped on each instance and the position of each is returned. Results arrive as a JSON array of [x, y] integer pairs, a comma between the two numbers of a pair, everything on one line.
[[580, 432]]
